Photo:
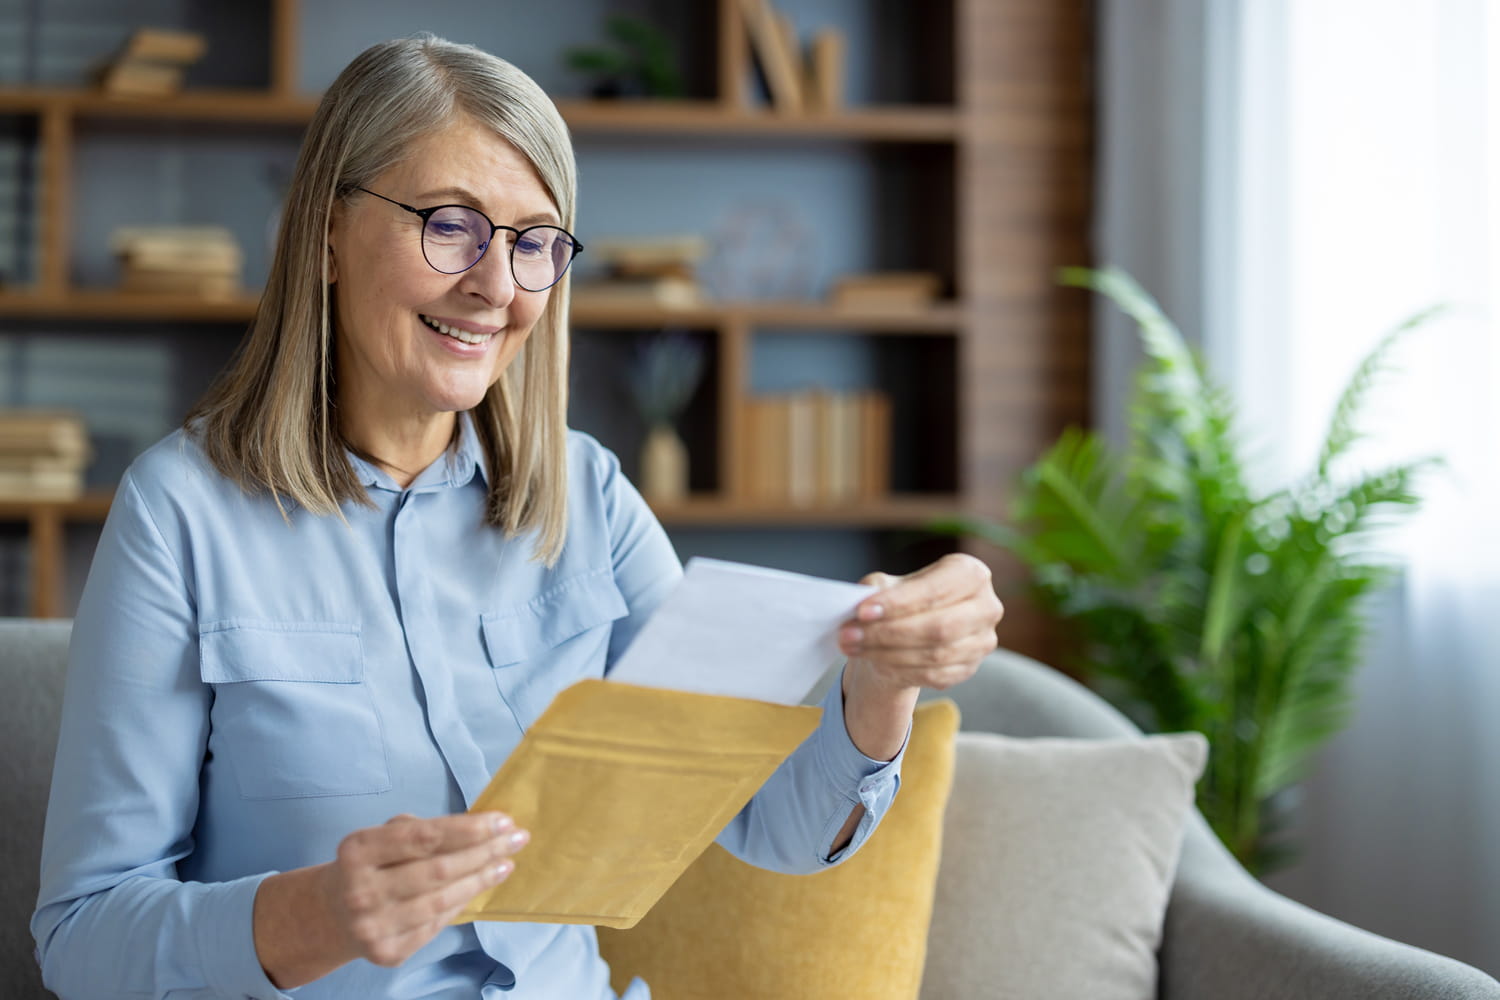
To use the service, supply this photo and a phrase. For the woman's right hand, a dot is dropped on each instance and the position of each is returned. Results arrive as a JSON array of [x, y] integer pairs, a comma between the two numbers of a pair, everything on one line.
[[390, 890]]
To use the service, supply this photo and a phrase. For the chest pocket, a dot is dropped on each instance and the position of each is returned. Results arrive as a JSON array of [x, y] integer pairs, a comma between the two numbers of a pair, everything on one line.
[[292, 712], [540, 647]]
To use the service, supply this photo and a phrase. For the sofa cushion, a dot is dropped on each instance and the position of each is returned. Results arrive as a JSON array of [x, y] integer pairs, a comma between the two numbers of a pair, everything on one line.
[[1058, 859], [727, 929]]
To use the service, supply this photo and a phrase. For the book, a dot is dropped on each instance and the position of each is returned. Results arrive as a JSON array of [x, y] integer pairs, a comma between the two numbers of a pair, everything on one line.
[[635, 293], [48, 484], [206, 286], [802, 451], [888, 290], [141, 79], [163, 45], [656, 255], [42, 433], [781, 65], [825, 71], [125, 238], [875, 420]]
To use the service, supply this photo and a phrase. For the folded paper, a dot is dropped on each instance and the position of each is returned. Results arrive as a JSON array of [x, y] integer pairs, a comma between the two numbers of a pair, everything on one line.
[[622, 787]]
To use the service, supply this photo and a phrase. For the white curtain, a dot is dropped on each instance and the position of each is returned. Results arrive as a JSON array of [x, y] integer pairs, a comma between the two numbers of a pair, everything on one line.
[[1349, 175]]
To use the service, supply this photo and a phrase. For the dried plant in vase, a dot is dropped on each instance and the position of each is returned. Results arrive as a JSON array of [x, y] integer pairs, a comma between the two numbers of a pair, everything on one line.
[[663, 376]]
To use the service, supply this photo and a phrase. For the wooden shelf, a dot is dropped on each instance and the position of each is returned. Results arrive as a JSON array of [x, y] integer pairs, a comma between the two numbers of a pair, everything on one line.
[[243, 106], [896, 511], [90, 508], [945, 318], [892, 123], [690, 119], [109, 304], [103, 303]]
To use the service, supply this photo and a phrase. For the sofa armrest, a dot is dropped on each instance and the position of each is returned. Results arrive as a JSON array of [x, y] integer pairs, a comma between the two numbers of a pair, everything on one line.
[[1228, 937]]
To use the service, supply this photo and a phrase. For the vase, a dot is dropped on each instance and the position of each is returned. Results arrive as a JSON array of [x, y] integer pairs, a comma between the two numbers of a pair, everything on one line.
[[664, 465]]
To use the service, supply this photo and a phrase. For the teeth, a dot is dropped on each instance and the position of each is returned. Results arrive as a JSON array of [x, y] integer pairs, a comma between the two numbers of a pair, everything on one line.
[[456, 333]]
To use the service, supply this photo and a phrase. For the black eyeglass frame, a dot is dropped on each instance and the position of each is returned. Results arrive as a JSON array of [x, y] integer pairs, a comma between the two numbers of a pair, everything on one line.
[[426, 213]]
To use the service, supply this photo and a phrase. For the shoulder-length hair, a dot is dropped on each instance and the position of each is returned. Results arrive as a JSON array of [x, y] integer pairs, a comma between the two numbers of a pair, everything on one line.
[[270, 422]]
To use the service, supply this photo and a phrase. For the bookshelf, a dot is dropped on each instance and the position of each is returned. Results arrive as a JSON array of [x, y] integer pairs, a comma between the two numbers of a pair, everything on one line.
[[1000, 140]]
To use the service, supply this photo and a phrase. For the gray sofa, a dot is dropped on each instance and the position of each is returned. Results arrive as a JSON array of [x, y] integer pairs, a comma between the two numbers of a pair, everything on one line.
[[1226, 938]]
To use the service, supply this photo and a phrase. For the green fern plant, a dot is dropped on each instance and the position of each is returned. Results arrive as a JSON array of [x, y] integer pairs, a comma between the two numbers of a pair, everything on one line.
[[1198, 604]]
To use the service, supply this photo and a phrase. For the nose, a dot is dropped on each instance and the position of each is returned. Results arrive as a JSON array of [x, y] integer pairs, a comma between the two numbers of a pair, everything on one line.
[[491, 278]]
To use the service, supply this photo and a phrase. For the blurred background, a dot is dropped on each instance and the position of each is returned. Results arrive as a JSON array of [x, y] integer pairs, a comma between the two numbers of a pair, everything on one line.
[[818, 313]]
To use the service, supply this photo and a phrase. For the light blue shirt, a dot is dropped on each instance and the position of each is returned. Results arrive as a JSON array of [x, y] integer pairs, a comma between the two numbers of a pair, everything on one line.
[[242, 693]]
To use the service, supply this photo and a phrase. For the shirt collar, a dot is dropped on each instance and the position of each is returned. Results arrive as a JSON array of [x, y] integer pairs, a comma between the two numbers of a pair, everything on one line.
[[456, 466]]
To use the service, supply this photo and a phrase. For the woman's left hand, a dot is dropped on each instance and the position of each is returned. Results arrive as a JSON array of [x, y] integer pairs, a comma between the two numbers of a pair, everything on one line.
[[926, 629]]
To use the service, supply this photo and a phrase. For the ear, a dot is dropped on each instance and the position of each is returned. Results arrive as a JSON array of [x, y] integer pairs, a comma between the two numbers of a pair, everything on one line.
[[333, 267]]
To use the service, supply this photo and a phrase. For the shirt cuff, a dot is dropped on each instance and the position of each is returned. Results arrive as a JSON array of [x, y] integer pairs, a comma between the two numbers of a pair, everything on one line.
[[850, 770], [226, 941]]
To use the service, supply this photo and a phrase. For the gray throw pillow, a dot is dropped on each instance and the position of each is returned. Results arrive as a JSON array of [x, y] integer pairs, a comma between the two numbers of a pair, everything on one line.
[[1058, 859]]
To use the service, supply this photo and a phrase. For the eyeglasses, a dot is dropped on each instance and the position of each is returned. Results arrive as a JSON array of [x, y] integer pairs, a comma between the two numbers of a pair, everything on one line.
[[455, 238]]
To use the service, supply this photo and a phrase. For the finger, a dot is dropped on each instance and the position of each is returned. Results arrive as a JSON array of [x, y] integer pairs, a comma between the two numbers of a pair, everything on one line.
[[418, 878], [406, 838], [947, 581], [920, 631], [433, 910], [912, 665]]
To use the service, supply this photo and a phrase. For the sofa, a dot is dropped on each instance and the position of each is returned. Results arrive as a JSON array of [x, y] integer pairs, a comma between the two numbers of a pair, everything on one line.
[[1225, 936]]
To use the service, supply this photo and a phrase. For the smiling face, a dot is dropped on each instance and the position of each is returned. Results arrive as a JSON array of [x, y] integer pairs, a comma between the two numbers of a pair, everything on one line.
[[413, 345]]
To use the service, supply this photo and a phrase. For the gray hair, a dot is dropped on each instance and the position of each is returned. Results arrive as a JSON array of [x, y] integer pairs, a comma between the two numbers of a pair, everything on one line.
[[269, 422]]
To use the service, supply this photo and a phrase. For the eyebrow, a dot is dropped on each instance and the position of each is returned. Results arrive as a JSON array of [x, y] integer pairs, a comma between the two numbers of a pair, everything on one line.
[[468, 197]]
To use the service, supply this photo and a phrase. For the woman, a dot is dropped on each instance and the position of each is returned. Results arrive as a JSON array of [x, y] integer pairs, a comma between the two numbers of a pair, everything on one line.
[[332, 603]]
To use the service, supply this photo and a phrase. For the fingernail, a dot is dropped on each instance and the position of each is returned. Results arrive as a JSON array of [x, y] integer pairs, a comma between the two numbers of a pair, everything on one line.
[[519, 838], [500, 871], [870, 612], [853, 636], [499, 823]]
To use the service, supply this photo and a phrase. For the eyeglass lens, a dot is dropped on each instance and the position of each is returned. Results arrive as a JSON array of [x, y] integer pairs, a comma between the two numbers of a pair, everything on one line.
[[454, 238]]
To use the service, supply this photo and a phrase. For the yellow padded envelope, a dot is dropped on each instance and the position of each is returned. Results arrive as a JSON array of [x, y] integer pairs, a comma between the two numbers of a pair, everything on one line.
[[622, 787]]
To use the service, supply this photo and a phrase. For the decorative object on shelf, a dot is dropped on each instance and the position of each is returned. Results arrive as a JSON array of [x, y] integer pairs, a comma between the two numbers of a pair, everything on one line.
[[885, 290], [152, 63], [638, 62], [196, 261], [817, 448], [660, 271], [794, 83], [761, 250], [42, 455], [663, 376], [1200, 604]]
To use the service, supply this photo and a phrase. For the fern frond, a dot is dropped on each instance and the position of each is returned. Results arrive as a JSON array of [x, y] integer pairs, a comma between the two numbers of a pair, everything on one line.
[[1342, 429], [1074, 510]]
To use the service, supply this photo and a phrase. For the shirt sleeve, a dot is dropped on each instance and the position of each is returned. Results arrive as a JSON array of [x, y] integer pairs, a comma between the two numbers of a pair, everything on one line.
[[112, 918], [790, 824]]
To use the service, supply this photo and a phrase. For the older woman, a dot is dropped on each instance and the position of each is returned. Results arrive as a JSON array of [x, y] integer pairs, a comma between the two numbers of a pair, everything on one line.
[[333, 602]]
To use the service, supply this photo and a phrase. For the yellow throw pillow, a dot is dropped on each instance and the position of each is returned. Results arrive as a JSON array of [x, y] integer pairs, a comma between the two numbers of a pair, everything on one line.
[[728, 929]]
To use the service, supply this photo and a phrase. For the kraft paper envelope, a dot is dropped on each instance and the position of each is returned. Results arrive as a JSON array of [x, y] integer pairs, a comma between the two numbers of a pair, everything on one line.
[[622, 787]]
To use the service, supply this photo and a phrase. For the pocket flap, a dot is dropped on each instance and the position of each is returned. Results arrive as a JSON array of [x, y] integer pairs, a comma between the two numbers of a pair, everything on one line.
[[571, 607], [317, 652]]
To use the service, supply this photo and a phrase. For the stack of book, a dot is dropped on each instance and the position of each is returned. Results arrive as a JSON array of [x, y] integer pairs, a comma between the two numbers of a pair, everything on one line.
[[659, 272], [42, 455], [202, 261], [796, 84], [817, 448], [152, 63]]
